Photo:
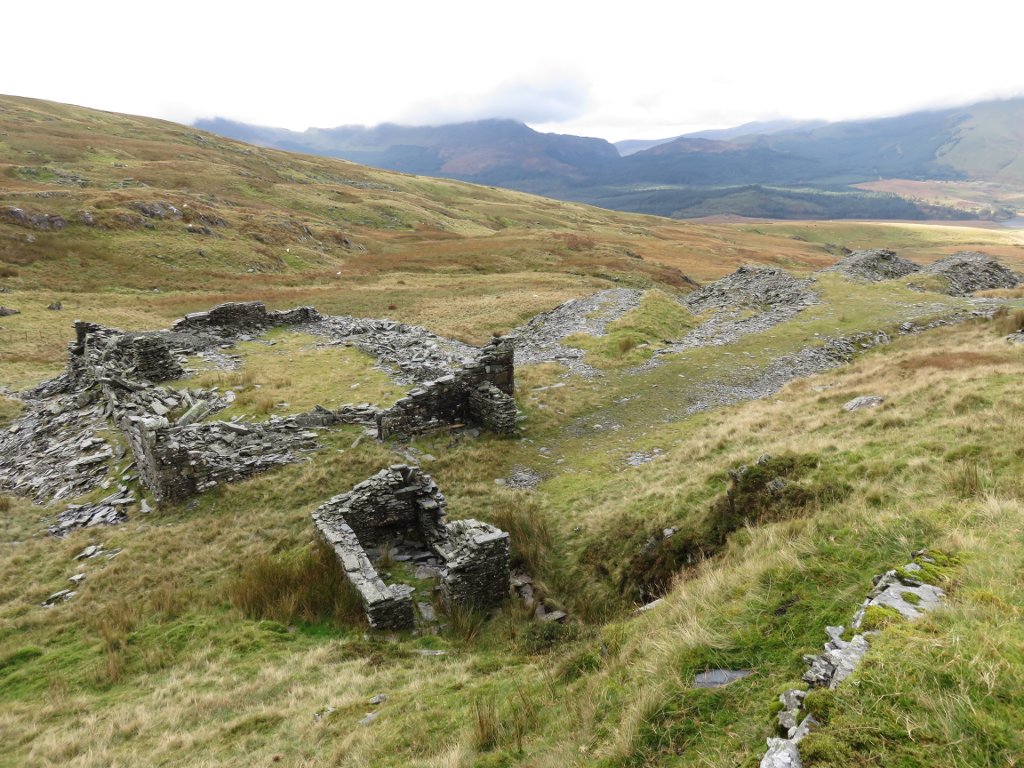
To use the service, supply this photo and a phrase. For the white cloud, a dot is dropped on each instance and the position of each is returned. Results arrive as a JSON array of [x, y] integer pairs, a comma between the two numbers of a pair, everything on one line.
[[544, 99]]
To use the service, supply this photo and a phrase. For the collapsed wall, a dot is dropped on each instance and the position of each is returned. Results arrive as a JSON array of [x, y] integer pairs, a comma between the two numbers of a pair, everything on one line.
[[175, 463], [243, 317], [481, 393], [403, 503], [59, 448]]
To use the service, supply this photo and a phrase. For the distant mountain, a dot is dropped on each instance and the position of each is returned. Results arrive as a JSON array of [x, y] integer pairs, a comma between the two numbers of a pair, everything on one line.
[[501, 152], [763, 128], [788, 162], [766, 128]]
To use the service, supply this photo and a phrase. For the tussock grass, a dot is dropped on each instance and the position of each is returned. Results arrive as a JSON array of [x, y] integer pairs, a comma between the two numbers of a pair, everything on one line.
[[1009, 320], [306, 585], [528, 529]]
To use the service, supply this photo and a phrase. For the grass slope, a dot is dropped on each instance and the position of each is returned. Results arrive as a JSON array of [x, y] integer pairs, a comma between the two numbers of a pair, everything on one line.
[[170, 670]]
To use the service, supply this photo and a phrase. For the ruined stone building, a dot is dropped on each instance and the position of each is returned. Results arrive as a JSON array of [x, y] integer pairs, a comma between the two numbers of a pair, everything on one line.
[[403, 504]]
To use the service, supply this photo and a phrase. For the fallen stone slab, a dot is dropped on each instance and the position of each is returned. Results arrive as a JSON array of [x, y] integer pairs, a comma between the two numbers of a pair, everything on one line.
[[106, 511], [716, 678], [863, 402]]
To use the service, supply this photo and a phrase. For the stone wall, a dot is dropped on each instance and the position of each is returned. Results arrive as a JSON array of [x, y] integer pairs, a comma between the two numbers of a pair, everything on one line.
[[398, 502], [402, 502], [178, 462], [477, 558], [492, 409], [480, 393], [386, 606], [495, 365]]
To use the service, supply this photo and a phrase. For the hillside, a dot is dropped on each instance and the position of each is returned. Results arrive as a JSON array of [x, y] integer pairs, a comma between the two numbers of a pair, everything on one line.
[[800, 169], [503, 152], [680, 447]]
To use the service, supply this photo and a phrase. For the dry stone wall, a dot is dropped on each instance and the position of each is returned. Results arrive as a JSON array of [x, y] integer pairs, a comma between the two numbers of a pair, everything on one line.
[[178, 462], [403, 503], [477, 558]]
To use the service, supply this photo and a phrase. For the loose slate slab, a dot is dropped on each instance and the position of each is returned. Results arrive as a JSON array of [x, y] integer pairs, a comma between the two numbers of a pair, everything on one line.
[[716, 678]]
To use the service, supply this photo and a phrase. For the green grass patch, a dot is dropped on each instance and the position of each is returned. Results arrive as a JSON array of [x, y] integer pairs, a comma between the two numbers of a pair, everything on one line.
[[635, 336], [294, 374]]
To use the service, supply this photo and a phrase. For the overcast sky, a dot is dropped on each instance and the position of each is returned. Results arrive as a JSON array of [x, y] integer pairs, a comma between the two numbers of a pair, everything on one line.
[[624, 70]]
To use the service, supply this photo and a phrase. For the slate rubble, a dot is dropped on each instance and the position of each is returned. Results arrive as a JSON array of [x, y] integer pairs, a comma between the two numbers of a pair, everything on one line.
[[965, 272], [109, 510], [874, 265], [411, 353], [841, 658], [540, 340], [750, 300]]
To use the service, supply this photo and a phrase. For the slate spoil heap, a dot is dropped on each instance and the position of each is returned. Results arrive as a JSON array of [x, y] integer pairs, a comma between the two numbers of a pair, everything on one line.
[[875, 265], [750, 300], [968, 271], [403, 503], [752, 287]]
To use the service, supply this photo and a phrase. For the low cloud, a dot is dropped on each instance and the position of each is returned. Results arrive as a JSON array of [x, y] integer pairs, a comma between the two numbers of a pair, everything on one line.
[[546, 101]]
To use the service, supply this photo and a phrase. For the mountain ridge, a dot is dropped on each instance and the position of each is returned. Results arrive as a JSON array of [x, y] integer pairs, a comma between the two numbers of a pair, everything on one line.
[[979, 142]]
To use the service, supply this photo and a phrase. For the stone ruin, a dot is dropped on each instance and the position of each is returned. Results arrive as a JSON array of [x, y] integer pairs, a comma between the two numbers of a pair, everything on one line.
[[402, 505], [61, 447], [480, 393]]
